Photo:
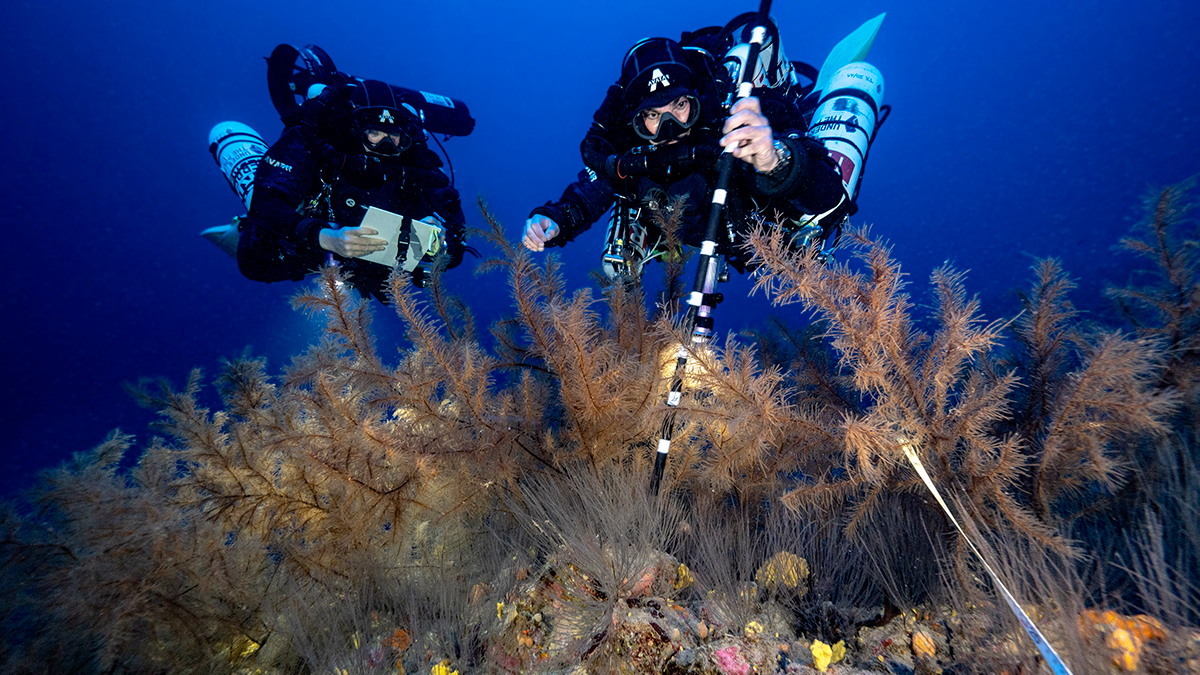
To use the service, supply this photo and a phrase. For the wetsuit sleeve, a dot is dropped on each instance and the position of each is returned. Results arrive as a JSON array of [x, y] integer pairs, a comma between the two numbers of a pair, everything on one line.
[[603, 137], [582, 203], [812, 186], [278, 243], [812, 182]]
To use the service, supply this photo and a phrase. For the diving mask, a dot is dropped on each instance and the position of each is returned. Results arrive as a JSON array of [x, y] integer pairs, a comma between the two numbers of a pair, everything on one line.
[[669, 126], [386, 142]]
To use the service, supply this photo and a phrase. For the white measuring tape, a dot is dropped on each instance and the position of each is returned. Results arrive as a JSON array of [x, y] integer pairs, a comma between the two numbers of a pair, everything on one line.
[[1052, 659]]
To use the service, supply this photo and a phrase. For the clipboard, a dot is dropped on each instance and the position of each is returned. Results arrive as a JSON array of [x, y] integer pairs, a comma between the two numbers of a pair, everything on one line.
[[421, 238]]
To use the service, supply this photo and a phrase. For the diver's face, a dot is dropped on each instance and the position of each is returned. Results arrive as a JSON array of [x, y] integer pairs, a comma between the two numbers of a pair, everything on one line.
[[382, 142], [651, 118]]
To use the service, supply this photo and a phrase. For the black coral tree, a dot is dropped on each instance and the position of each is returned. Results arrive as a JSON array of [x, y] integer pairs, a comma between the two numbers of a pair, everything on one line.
[[1017, 433]]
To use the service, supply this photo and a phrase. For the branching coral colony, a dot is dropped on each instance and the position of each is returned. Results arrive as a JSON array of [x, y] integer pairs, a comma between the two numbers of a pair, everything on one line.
[[488, 512]]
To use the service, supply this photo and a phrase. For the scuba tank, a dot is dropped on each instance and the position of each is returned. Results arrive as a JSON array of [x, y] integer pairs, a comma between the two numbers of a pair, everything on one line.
[[845, 108], [792, 80], [292, 73], [847, 117], [237, 149], [772, 69], [845, 120]]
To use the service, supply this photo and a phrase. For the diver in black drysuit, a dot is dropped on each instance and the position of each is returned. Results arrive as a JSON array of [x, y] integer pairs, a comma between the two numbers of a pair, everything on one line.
[[313, 187], [642, 172]]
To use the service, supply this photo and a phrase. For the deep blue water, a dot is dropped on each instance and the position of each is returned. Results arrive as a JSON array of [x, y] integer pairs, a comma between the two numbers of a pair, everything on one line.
[[1020, 130]]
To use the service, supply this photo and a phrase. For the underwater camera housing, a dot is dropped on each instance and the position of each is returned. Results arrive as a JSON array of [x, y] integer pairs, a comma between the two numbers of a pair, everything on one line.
[[291, 74]]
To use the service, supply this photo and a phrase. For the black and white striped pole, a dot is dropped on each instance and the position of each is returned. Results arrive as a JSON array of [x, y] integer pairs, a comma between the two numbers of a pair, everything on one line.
[[703, 298]]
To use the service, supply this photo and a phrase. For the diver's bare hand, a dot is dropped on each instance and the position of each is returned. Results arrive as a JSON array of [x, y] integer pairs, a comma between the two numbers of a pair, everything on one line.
[[749, 134], [351, 242], [538, 231]]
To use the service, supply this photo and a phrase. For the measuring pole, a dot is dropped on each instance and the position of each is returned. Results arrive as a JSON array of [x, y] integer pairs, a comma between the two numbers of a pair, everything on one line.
[[703, 298]]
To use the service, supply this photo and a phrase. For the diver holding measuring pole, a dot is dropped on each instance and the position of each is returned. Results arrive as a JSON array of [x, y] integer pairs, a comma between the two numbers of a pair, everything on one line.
[[656, 140]]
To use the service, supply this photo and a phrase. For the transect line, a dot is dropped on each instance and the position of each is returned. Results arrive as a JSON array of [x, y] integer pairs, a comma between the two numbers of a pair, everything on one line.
[[1052, 658]]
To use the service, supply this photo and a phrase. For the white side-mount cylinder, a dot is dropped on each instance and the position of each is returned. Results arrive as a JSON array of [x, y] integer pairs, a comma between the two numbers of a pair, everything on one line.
[[845, 119], [237, 149]]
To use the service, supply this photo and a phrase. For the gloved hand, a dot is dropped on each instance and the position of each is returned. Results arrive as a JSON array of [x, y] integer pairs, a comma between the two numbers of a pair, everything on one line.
[[370, 171], [538, 230]]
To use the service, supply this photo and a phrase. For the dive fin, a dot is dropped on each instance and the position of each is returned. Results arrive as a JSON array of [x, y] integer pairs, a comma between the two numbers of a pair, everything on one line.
[[853, 47], [225, 237]]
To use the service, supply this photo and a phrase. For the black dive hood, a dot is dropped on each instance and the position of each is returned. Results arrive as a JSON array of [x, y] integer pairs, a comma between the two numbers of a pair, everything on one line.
[[291, 71]]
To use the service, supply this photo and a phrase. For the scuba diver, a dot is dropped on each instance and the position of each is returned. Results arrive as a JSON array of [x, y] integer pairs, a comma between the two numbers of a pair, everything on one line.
[[351, 181], [662, 126]]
